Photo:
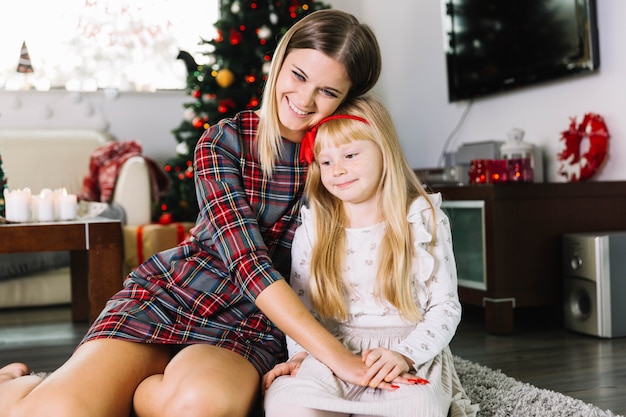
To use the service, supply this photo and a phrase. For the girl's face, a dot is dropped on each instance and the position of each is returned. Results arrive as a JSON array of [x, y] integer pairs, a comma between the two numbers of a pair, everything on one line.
[[351, 172], [310, 87]]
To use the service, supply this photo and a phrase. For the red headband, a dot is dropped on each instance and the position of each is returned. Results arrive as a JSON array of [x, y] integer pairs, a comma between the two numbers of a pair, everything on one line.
[[306, 146]]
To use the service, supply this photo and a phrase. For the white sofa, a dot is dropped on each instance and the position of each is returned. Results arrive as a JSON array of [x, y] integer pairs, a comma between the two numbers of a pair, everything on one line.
[[59, 158]]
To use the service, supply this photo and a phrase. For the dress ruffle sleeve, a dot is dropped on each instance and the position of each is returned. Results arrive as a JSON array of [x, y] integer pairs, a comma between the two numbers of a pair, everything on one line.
[[435, 282]]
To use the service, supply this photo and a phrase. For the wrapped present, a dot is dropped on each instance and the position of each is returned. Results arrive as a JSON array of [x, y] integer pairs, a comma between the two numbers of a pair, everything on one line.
[[143, 241]]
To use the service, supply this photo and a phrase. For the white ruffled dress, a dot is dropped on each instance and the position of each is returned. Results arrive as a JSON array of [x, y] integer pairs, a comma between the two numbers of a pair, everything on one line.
[[373, 323]]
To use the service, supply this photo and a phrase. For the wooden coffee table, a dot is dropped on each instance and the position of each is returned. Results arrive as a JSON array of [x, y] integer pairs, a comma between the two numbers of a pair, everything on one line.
[[96, 257]]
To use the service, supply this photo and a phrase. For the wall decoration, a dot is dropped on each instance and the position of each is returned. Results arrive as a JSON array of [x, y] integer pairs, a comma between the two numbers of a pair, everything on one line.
[[24, 65], [580, 162]]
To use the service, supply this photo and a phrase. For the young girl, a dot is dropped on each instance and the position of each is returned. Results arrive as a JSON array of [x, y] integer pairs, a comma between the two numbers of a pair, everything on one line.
[[194, 328], [373, 261]]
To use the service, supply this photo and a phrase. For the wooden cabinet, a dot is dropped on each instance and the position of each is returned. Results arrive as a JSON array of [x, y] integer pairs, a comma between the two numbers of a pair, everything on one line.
[[522, 229]]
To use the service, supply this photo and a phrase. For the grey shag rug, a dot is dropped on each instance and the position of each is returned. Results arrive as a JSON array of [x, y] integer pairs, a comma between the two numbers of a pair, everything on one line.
[[502, 396]]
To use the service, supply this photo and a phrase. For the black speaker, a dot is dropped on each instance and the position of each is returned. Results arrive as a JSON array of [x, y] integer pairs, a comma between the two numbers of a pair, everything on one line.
[[594, 268]]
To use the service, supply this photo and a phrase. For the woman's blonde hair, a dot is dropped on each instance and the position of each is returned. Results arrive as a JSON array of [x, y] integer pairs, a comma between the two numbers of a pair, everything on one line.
[[336, 34], [397, 189]]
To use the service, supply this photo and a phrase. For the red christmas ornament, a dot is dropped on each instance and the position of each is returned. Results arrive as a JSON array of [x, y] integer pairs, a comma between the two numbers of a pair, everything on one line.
[[292, 10], [195, 93], [166, 218], [197, 122], [219, 37], [235, 37], [225, 105], [577, 166], [253, 103]]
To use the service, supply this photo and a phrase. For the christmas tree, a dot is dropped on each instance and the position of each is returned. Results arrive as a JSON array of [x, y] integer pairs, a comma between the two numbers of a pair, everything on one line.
[[239, 58], [24, 65]]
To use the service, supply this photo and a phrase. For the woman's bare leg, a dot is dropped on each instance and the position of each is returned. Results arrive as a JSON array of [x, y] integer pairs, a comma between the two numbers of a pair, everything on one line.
[[12, 371], [201, 380], [97, 381]]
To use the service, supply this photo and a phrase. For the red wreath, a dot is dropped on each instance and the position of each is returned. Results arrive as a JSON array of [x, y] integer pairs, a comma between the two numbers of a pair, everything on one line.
[[576, 166]]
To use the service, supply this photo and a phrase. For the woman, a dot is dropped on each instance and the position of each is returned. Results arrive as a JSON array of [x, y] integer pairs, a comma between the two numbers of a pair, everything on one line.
[[194, 328]]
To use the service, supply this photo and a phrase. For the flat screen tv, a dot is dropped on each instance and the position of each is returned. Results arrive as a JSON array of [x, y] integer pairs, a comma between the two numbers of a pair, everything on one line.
[[494, 46]]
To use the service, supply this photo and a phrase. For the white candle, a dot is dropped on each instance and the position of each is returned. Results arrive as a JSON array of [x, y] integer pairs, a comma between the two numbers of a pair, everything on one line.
[[56, 199], [34, 203], [17, 205], [44, 206], [67, 206]]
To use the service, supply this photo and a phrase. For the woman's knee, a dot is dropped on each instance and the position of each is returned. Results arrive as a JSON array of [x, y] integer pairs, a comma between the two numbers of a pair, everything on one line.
[[199, 403], [200, 381], [189, 400]]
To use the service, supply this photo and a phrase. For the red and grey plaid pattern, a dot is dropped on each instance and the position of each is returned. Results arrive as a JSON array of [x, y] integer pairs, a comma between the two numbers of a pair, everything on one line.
[[204, 292]]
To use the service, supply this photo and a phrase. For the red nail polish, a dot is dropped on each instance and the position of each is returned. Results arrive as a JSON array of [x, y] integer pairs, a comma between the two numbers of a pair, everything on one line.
[[420, 381], [395, 386]]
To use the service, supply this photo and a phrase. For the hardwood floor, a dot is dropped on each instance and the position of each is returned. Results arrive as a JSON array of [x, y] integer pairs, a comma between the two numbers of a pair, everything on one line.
[[42, 338], [540, 352]]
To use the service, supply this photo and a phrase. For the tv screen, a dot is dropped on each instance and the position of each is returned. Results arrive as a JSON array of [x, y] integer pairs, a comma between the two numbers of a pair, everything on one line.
[[498, 45]]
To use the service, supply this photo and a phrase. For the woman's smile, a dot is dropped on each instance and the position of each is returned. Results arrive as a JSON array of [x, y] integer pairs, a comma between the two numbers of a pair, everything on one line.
[[295, 109]]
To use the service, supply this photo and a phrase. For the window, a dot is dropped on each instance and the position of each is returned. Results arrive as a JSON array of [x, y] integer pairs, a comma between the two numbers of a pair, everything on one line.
[[85, 45]]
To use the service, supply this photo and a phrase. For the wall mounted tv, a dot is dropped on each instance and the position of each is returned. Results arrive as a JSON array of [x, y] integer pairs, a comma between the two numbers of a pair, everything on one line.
[[494, 46]]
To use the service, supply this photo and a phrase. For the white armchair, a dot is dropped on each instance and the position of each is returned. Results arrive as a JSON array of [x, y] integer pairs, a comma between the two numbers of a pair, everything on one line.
[[59, 158], [133, 191]]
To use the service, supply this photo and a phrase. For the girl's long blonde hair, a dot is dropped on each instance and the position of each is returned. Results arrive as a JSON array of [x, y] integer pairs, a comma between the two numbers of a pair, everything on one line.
[[397, 189], [336, 34]]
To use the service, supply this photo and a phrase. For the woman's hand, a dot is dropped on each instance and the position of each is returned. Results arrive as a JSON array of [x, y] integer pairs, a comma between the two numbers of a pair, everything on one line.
[[286, 368], [387, 366], [281, 305]]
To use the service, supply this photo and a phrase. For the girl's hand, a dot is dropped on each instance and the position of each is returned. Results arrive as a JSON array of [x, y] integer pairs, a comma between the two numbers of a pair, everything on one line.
[[352, 369], [286, 368], [281, 305], [386, 366]]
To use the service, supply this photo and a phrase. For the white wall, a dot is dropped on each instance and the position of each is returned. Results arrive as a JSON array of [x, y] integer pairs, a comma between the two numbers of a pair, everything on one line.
[[413, 85], [145, 117]]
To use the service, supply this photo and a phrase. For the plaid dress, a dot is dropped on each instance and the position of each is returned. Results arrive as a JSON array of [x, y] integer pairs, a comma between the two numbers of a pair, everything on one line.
[[203, 290]]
